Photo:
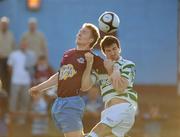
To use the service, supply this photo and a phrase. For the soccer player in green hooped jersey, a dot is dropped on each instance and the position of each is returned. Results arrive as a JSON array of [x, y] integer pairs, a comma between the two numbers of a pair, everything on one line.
[[116, 89]]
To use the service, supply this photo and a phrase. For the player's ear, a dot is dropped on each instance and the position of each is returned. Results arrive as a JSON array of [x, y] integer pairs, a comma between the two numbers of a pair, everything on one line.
[[91, 40]]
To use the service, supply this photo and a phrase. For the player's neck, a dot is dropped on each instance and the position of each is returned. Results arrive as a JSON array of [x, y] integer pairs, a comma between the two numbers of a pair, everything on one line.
[[82, 47]]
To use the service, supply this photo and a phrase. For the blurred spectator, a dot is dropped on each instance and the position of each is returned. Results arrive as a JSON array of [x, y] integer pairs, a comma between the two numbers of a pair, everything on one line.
[[20, 81], [35, 39], [3, 102], [43, 70], [153, 121], [40, 104], [93, 101], [39, 117], [94, 106], [7, 45]]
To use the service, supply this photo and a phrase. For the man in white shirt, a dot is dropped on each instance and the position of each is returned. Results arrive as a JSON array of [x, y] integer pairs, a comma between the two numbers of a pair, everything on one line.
[[20, 80]]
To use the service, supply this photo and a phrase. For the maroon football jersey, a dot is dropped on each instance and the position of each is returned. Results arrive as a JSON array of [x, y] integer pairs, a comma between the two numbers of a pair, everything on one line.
[[71, 71]]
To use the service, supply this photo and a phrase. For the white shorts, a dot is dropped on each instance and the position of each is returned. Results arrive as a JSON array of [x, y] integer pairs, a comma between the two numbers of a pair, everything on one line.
[[119, 117]]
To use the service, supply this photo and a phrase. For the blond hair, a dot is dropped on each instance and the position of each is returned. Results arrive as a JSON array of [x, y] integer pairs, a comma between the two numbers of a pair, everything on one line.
[[94, 31]]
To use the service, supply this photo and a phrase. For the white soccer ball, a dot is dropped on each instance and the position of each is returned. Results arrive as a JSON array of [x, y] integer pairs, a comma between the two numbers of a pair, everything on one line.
[[108, 22]]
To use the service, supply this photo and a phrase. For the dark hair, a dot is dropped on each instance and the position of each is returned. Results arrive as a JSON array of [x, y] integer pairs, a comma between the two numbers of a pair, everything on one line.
[[107, 41], [95, 33]]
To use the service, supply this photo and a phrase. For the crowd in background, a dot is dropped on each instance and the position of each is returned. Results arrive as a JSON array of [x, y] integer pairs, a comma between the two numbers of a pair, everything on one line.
[[21, 66]]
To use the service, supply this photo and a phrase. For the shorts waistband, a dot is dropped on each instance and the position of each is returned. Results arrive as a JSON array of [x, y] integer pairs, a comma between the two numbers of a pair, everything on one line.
[[71, 97]]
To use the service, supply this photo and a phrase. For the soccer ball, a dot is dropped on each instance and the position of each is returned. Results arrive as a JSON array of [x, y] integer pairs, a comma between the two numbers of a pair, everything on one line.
[[108, 22]]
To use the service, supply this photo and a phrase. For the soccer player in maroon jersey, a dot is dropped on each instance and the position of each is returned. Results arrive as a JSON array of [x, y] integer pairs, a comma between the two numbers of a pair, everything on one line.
[[68, 108]]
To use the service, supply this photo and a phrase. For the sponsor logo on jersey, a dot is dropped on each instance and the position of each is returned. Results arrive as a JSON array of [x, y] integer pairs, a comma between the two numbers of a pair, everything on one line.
[[67, 71]]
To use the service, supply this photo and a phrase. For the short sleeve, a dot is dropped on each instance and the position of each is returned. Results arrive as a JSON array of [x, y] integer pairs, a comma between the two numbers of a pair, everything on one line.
[[128, 71]]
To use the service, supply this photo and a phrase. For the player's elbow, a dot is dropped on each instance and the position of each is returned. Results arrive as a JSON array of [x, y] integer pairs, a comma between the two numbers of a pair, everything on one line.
[[87, 83], [85, 88]]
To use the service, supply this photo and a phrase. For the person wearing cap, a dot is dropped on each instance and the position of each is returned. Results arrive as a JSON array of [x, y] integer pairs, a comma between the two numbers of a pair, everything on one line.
[[7, 45], [35, 39]]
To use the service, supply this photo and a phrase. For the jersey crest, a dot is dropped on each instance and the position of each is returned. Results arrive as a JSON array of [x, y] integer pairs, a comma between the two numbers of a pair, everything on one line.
[[81, 60]]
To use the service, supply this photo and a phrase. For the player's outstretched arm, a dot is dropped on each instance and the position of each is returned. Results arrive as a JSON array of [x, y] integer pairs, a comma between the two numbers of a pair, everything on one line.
[[52, 81]]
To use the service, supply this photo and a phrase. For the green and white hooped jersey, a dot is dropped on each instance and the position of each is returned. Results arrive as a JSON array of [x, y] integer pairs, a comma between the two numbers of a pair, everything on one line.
[[127, 70]]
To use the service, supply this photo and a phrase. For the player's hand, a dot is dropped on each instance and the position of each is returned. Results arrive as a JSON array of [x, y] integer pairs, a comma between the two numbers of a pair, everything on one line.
[[34, 92], [89, 58], [116, 80], [108, 64]]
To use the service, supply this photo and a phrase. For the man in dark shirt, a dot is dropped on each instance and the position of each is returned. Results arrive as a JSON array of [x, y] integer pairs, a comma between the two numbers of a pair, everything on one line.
[[68, 108]]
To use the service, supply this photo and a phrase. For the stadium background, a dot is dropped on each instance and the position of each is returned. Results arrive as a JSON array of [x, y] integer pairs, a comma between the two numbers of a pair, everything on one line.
[[148, 33]]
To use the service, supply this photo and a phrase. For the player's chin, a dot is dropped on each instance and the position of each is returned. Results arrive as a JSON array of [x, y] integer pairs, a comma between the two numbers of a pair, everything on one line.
[[113, 58]]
